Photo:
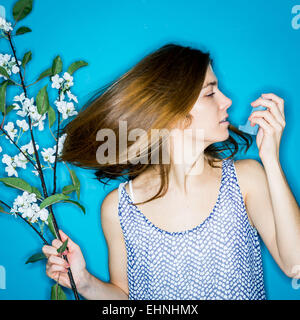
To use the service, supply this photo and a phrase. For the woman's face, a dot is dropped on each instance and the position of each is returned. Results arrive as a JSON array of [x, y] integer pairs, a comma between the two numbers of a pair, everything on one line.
[[210, 108]]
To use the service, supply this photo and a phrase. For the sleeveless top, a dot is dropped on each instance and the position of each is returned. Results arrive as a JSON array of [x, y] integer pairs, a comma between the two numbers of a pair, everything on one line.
[[218, 259]]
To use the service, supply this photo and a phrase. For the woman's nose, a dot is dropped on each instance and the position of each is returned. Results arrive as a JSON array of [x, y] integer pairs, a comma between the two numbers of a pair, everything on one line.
[[226, 102]]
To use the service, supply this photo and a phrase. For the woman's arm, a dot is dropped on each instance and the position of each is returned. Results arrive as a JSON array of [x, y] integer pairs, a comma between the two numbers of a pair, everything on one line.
[[117, 288], [95, 289], [88, 285], [270, 199], [287, 216], [273, 211]]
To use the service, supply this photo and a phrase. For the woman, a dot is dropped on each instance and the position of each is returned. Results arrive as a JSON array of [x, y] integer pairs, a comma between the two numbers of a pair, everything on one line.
[[192, 232]]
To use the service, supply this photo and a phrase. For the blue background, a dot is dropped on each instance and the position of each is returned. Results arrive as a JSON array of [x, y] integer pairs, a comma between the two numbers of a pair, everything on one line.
[[255, 50]]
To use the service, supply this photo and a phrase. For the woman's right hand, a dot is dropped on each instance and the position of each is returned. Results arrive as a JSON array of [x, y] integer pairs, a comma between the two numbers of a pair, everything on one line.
[[57, 267]]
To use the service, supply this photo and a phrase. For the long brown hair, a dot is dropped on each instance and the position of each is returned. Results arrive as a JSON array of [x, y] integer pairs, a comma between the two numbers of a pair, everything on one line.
[[158, 92]]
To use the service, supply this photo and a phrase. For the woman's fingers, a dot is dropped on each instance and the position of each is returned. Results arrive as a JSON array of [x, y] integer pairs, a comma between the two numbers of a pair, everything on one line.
[[51, 268], [56, 243], [57, 260], [71, 244], [48, 250], [63, 279]]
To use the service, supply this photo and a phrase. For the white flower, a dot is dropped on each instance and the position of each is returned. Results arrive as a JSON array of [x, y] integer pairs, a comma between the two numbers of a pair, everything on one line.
[[44, 214], [31, 197], [29, 147], [40, 122], [28, 212], [22, 124], [4, 59], [12, 163], [4, 25], [67, 76], [63, 83], [67, 109], [28, 107], [11, 171], [0, 149], [26, 204], [68, 80], [9, 64], [48, 155], [35, 172], [20, 98], [61, 141], [56, 81], [71, 96], [15, 69], [20, 160], [11, 131], [7, 159]]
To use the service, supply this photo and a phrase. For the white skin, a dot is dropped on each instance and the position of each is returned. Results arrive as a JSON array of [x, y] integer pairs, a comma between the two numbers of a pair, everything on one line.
[[210, 108], [269, 200]]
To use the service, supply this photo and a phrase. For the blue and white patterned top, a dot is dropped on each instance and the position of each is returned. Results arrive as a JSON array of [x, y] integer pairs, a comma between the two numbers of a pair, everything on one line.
[[218, 259]]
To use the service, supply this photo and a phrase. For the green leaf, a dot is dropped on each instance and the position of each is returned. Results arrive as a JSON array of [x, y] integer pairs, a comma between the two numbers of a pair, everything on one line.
[[9, 108], [22, 30], [77, 204], [36, 257], [3, 97], [56, 65], [21, 184], [68, 189], [46, 73], [76, 65], [51, 224], [26, 58], [42, 100], [76, 182], [37, 192], [53, 199], [3, 210], [9, 82], [51, 116], [63, 247], [59, 197], [4, 73], [57, 293], [21, 9]]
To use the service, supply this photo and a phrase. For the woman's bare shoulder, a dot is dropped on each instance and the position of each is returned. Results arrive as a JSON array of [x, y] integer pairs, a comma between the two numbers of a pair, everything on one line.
[[249, 173], [247, 166], [109, 210]]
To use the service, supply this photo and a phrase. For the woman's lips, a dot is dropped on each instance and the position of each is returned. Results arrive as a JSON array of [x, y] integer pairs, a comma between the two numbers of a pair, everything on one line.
[[224, 122]]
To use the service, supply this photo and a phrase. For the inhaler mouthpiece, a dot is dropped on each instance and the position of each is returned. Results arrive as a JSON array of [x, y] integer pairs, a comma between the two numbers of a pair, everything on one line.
[[247, 127]]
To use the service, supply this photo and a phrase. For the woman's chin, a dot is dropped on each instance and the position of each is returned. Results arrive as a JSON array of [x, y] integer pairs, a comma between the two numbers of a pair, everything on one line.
[[224, 136]]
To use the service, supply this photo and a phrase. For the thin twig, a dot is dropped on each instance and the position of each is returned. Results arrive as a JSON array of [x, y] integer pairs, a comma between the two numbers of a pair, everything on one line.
[[56, 153], [51, 131], [18, 214], [33, 83]]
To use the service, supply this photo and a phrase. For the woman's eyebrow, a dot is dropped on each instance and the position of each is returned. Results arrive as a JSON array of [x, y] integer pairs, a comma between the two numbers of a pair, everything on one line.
[[211, 83]]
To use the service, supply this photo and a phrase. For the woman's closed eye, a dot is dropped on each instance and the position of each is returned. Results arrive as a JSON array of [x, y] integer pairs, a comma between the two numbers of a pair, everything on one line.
[[210, 95]]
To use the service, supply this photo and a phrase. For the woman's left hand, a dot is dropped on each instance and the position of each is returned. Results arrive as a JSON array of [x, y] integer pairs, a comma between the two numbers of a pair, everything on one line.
[[271, 124]]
